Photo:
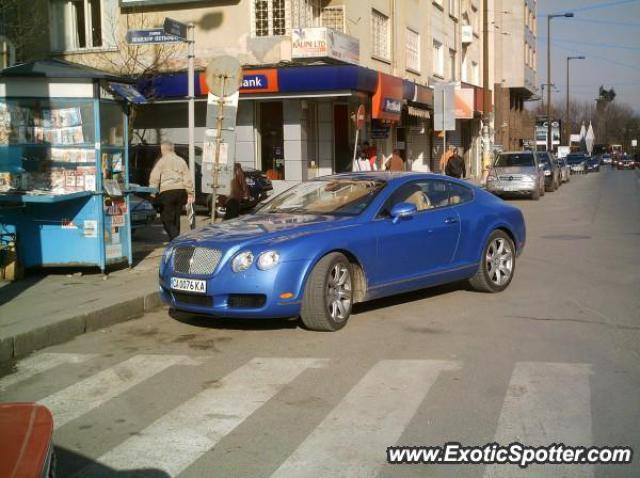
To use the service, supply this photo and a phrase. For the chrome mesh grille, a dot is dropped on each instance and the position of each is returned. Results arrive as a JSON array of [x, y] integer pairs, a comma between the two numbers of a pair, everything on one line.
[[196, 260]]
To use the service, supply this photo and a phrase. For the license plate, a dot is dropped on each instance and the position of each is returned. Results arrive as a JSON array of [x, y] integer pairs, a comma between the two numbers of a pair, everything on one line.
[[509, 187], [189, 285]]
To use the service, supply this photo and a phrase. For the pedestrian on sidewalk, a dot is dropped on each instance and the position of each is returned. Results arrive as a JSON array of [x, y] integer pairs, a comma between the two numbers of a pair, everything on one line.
[[455, 166], [239, 192], [172, 177], [445, 157], [395, 162]]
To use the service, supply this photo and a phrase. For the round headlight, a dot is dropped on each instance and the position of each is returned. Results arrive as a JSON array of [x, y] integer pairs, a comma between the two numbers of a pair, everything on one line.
[[268, 260], [242, 261]]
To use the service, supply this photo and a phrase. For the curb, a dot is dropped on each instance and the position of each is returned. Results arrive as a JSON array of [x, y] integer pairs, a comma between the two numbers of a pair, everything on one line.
[[23, 344]]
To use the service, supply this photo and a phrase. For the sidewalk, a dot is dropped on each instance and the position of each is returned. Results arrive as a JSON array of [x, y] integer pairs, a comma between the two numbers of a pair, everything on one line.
[[50, 307]]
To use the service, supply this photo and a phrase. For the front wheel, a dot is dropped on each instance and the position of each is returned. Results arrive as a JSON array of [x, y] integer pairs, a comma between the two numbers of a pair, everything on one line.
[[328, 294], [497, 265]]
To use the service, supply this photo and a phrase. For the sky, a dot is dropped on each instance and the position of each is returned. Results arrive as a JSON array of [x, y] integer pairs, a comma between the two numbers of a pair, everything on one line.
[[607, 33]]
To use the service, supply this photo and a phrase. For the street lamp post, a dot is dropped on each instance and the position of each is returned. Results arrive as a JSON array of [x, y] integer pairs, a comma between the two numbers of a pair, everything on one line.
[[566, 111], [549, 129]]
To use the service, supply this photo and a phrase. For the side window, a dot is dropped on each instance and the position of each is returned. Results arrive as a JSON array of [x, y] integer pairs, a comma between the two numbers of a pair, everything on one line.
[[459, 194], [426, 194]]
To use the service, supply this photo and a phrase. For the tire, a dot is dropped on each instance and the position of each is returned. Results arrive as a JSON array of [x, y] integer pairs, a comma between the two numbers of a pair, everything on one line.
[[485, 278], [326, 288], [535, 195]]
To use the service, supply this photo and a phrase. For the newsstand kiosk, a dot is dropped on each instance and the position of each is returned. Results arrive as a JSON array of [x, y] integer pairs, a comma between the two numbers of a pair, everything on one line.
[[64, 165]]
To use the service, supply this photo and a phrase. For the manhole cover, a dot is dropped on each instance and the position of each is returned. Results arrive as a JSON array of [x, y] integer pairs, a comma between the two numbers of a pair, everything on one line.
[[566, 237]]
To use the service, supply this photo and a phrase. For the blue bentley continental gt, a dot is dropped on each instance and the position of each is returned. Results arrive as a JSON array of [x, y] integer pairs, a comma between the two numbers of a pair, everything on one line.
[[323, 245]]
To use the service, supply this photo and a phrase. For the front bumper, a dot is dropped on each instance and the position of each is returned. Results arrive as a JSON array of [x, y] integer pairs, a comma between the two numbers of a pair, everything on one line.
[[225, 286], [511, 187]]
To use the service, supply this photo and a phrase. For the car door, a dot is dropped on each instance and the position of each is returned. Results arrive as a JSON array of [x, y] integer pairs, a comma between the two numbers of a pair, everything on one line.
[[418, 245]]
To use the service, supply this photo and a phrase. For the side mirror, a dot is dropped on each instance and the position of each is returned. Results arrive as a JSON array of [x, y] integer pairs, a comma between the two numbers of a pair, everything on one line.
[[403, 210]]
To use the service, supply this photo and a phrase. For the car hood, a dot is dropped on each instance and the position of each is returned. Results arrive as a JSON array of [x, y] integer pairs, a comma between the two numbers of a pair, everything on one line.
[[267, 227], [515, 170]]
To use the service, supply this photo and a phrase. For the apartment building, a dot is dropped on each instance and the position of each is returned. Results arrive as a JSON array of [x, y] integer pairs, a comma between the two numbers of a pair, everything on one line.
[[514, 31], [307, 66]]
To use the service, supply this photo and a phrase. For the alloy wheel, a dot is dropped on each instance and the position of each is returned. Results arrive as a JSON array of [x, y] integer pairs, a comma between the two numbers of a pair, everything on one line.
[[339, 292], [499, 260]]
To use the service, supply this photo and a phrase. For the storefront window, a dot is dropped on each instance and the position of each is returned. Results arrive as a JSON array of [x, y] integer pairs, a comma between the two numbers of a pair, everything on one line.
[[272, 140]]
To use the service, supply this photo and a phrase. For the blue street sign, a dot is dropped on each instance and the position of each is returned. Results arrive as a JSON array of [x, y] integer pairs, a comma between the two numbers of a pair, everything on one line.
[[176, 28], [153, 35]]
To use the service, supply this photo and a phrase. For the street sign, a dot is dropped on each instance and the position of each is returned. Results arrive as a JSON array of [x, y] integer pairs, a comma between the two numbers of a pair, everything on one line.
[[175, 28], [360, 117], [634, 143], [444, 112], [150, 36]]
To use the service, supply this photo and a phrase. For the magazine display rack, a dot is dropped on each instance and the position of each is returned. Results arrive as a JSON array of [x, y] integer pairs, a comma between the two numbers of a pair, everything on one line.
[[64, 166]]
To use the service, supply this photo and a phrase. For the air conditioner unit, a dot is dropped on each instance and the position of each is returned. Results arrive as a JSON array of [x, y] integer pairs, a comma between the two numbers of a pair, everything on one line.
[[467, 34]]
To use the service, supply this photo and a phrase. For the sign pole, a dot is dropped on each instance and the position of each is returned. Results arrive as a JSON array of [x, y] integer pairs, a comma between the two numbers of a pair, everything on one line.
[[191, 93], [355, 150], [216, 158], [444, 127]]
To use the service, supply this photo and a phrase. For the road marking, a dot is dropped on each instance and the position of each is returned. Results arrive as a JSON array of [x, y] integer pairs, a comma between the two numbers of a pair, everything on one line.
[[86, 395], [352, 439], [176, 440], [40, 363], [546, 403]]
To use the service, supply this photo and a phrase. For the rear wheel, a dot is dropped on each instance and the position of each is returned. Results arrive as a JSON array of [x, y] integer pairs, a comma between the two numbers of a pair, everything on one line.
[[328, 294], [497, 265]]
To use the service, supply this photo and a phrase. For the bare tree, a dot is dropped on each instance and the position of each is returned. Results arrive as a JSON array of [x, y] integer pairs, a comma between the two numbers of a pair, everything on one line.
[[21, 23]]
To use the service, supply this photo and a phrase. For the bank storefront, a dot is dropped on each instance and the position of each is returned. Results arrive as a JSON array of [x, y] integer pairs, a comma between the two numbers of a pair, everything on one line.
[[296, 122]]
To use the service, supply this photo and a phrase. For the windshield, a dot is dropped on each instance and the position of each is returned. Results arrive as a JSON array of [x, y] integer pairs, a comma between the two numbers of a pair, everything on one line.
[[544, 158], [514, 159], [575, 159], [344, 197]]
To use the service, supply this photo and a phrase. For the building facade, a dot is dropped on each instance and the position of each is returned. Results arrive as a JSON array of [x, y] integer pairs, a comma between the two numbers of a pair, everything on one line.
[[307, 67], [514, 31]]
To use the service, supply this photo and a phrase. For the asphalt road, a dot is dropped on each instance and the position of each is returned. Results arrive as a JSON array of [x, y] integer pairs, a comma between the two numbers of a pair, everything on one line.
[[555, 358]]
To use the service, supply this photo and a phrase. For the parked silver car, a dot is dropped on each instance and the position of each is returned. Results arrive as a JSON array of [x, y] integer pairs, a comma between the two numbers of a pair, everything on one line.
[[517, 173]]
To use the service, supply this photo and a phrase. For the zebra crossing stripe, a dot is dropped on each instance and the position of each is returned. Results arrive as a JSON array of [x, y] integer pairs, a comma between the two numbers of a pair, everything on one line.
[[352, 439], [546, 403], [179, 438], [36, 364], [86, 395]]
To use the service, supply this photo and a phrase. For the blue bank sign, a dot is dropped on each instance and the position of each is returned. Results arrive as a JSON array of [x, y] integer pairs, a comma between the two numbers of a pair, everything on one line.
[[255, 82], [153, 35]]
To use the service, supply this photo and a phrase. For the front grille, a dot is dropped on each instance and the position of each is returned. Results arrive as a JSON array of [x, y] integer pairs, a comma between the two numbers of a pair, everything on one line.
[[196, 260], [201, 300], [510, 177], [246, 301]]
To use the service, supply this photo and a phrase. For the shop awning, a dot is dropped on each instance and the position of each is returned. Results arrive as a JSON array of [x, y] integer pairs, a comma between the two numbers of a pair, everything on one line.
[[56, 68], [388, 99]]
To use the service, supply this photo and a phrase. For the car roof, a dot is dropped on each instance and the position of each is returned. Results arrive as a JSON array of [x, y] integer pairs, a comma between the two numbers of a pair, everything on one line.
[[396, 177]]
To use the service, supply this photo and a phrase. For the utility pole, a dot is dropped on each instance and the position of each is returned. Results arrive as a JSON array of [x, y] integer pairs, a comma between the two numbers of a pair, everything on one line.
[[567, 126], [191, 93], [549, 127], [486, 95]]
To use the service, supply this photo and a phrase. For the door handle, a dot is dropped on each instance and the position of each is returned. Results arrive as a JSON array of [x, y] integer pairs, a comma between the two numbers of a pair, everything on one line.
[[451, 220]]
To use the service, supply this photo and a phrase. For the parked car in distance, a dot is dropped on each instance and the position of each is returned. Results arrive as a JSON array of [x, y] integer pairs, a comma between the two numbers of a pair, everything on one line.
[[576, 162], [516, 173], [142, 211], [592, 165], [26, 434], [606, 159], [142, 157], [551, 170], [325, 244], [626, 163]]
